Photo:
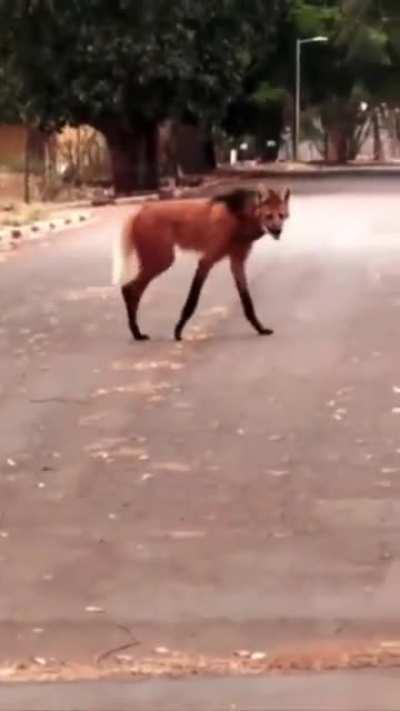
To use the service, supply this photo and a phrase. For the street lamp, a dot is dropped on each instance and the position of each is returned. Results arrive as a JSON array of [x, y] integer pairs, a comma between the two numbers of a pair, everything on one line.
[[296, 137]]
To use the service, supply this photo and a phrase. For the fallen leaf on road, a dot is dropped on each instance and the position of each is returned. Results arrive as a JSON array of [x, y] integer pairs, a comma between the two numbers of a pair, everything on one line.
[[90, 419], [11, 463], [216, 311], [396, 410], [390, 644], [40, 660], [161, 650], [278, 472], [182, 535], [396, 389], [243, 653], [281, 534], [124, 658], [7, 672], [130, 452], [172, 467], [100, 455], [142, 388], [4, 534], [258, 656], [344, 391], [94, 609], [146, 477], [100, 391]]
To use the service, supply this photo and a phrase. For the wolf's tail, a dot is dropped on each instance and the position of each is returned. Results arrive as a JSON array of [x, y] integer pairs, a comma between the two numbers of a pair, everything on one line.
[[125, 261]]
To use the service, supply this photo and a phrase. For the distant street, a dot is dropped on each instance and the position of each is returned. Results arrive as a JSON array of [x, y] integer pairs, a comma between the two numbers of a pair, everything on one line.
[[230, 492]]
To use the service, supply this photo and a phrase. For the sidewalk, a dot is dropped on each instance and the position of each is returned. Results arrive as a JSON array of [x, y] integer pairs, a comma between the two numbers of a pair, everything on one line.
[[308, 170], [356, 691]]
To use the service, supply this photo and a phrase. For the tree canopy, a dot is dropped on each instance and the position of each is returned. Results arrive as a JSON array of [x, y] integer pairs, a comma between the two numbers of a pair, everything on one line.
[[125, 66], [131, 60]]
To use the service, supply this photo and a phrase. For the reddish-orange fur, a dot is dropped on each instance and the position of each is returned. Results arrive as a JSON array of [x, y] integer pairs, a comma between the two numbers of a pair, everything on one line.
[[223, 227]]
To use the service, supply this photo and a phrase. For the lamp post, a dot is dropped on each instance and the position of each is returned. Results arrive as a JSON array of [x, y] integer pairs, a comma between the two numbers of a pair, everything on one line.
[[297, 109]]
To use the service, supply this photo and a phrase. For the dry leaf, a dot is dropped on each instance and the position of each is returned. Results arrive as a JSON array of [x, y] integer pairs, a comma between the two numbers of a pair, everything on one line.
[[161, 650], [94, 609], [146, 477], [40, 660], [124, 658], [173, 467], [258, 656]]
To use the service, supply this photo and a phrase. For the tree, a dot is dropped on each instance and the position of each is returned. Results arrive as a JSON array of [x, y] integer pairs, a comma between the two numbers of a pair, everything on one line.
[[124, 67], [356, 69]]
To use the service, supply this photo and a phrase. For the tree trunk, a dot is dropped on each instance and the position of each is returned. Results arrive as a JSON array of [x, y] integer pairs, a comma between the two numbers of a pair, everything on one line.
[[194, 149], [152, 156], [134, 157], [377, 139], [337, 148]]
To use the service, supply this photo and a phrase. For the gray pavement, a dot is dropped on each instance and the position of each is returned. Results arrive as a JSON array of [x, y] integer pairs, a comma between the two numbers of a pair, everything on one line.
[[373, 691], [230, 492]]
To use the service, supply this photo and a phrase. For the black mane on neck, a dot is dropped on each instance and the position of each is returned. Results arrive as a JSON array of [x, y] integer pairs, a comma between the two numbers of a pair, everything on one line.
[[237, 200]]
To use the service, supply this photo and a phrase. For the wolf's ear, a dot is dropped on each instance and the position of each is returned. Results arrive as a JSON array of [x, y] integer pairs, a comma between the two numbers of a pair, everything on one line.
[[286, 198], [262, 192]]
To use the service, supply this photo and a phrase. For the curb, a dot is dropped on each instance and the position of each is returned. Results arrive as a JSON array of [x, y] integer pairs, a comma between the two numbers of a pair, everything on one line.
[[104, 202], [302, 173], [10, 237]]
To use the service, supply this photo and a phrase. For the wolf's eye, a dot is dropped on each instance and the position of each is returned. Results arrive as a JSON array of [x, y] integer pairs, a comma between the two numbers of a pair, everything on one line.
[[281, 216]]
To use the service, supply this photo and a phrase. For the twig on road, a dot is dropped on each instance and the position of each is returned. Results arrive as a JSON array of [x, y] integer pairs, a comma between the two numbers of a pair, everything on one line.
[[115, 650], [62, 400]]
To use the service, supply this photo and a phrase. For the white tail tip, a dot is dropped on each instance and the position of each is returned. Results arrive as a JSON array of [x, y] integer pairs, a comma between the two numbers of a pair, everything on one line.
[[125, 262]]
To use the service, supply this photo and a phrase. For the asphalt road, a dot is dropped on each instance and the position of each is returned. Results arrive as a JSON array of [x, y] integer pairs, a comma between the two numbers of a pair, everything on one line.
[[228, 492]]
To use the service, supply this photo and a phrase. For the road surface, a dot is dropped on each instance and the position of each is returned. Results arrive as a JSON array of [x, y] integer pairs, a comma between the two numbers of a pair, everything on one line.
[[230, 492]]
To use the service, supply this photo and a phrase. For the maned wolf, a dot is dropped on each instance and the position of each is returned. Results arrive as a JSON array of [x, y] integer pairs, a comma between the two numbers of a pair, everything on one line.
[[223, 226]]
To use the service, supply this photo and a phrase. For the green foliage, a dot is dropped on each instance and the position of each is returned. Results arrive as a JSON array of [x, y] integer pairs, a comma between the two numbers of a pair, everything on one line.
[[131, 60], [229, 63]]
